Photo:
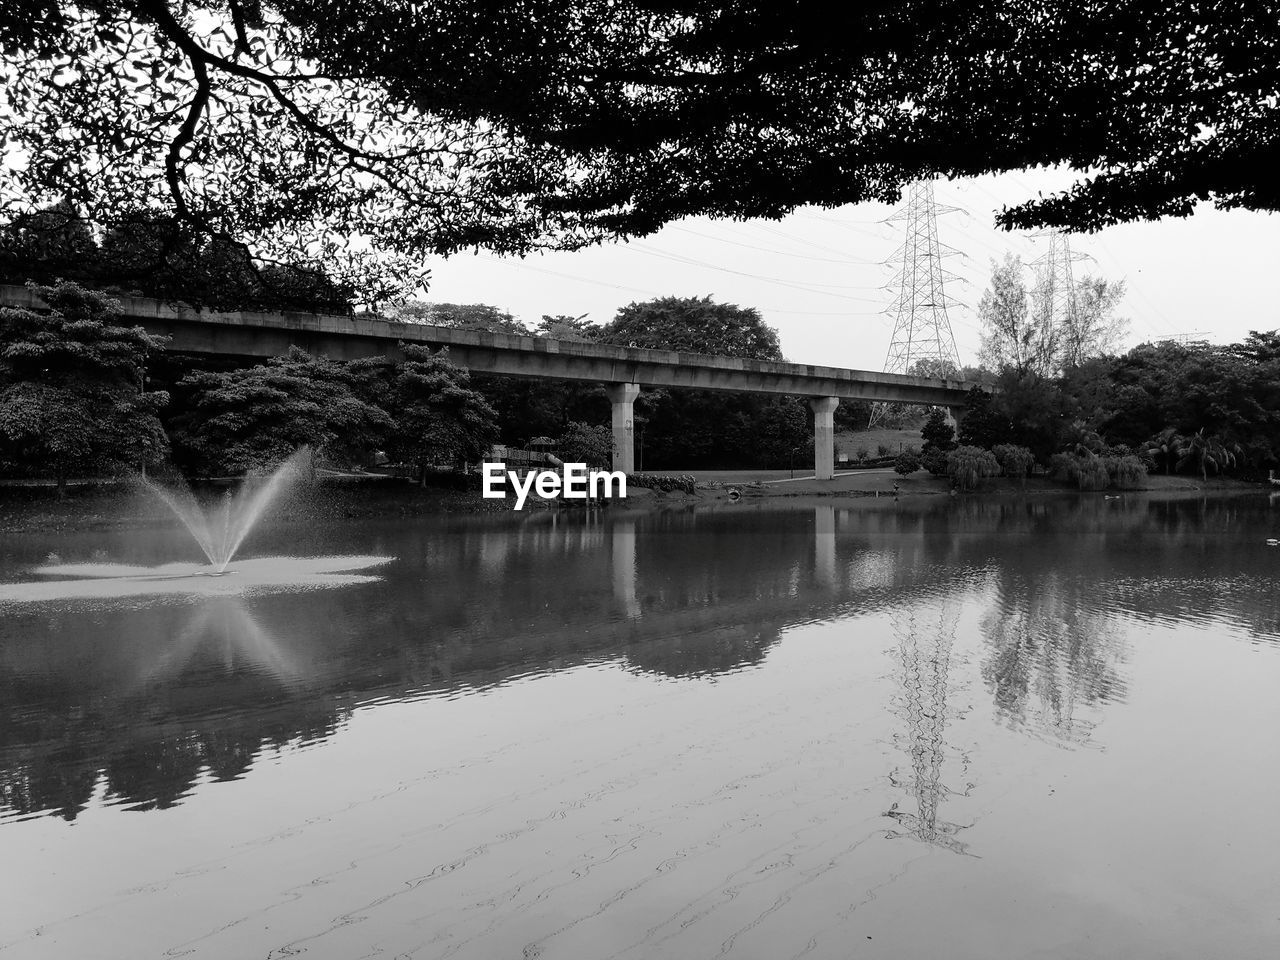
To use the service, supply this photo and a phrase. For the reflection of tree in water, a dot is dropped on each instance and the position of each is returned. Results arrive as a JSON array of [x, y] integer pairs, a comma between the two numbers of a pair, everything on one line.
[[924, 653], [1052, 650], [705, 652]]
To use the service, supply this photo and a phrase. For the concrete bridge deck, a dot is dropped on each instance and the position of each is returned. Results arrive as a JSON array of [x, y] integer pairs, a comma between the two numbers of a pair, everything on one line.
[[258, 335]]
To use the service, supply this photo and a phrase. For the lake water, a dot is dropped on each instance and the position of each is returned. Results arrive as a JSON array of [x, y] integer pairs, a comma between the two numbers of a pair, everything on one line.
[[967, 729]]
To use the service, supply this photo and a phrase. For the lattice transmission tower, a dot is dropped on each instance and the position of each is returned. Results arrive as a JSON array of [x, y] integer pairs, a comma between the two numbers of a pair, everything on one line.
[[1057, 309], [1055, 284], [921, 327]]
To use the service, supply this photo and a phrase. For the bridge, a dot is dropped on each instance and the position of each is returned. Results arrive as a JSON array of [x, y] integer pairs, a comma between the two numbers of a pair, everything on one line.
[[623, 370]]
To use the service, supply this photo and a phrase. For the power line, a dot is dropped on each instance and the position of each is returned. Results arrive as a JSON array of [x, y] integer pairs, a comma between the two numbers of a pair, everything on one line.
[[690, 261], [779, 253]]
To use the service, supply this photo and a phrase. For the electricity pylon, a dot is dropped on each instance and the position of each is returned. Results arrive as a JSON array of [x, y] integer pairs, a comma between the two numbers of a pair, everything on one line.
[[921, 327], [1056, 285]]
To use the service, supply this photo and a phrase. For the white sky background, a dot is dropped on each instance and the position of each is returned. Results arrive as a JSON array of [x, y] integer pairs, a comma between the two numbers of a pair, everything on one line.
[[817, 275]]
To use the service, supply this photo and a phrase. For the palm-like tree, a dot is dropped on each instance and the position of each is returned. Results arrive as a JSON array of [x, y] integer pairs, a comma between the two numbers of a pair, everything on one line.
[[1205, 452], [1165, 447]]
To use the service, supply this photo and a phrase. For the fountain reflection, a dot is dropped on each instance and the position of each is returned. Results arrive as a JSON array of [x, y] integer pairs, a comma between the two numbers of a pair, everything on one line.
[[226, 630]]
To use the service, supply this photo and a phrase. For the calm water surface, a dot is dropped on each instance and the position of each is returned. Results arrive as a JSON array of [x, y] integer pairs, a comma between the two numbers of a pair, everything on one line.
[[1043, 729]]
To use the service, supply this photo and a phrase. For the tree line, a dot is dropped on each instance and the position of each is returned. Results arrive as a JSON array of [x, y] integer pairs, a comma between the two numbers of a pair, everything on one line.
[[80, 394]]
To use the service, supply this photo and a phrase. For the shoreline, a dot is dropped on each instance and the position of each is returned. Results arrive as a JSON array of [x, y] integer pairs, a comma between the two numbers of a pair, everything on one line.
[[112, 505]]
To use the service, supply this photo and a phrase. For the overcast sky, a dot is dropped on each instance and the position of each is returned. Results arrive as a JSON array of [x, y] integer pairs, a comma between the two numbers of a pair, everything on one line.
[[817, 276]]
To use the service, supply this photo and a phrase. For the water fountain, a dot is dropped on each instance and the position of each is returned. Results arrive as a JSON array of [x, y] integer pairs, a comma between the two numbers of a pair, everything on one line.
[[221, 532]]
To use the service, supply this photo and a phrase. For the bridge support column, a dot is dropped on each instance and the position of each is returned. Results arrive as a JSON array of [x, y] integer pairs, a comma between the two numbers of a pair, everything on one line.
[[955, 417], [824, 436], [623, 397]]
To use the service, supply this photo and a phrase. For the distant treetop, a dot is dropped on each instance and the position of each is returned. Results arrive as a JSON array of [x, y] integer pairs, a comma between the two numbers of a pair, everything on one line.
[[694, 325]]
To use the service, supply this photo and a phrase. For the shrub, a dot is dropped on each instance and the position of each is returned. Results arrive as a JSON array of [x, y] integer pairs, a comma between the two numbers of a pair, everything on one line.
[[862, 454], [667, 484], [907, 462], [1130, 472], [1092, 473], [1015, 461], [935, 461], [1065, 467], [967, 466], [882, 450]]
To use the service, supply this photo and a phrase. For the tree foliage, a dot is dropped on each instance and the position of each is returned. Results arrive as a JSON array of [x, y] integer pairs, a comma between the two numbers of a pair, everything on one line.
[[71, 388], [461, 316], [984, 424], [1021, 332], [146, 254], [1014, 460], [437, 417], [247, 419], [907, 462], [694, 325], [968, 466], [936, 433], [587, 443], [300, 125], [707, 429], [1092, 328]]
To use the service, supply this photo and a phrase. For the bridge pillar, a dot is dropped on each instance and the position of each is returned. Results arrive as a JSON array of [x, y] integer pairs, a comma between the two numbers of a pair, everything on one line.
[[955, 417], [623, 397], [824, 436]]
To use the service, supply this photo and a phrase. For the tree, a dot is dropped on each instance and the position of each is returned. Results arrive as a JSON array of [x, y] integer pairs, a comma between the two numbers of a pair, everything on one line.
[[1205, 454], [907, 462], [936, 367], [49, 245], [983, 426], [968, 466], [1092, 329], [935, 461], [586, 443], [149, 254], [1032, 411], [1021, 333], [694, 325], [1012, 334], [71, 397], [936, 433], [436, 416], [512, 124], [1165, 448], [250, 418], [461, 316], [563, 327], [1015, 461], [707, 429]]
